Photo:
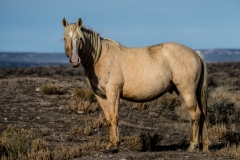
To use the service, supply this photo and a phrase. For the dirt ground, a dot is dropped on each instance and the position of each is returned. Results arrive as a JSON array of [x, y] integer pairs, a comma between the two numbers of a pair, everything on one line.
[[55, 122]]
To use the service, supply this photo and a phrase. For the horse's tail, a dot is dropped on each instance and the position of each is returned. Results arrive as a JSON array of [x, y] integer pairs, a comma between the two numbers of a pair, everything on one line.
[[202, 91]]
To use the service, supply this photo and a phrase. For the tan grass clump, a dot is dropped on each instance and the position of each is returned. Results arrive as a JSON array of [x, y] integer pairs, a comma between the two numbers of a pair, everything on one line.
[[83, 100], [16, 140], [217, 132], [66, 152], [132, 142], [97, 145], [230, 150], [17, 143], [85, 94], [141, 106], [223, 92], [51, 90]]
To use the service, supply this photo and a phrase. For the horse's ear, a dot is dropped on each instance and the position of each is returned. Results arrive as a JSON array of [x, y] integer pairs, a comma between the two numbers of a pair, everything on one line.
[[64, 22], [79, 22]]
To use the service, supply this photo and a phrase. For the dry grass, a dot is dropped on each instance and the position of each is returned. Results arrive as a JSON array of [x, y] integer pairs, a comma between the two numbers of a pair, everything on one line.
[[141, 106], [83, 100], [85, 94], [17, 143], [149, 141], [98, 145], [229, 151], [45, 131], [132, 142], [51, 90], [224, 92], [217, 132], [16, 140]]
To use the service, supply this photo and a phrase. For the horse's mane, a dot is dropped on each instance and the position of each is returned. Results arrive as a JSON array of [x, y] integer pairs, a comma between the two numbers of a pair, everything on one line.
[[92, 46]]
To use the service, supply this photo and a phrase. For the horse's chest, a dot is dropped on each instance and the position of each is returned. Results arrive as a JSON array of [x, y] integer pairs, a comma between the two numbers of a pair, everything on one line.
[[98, 85]]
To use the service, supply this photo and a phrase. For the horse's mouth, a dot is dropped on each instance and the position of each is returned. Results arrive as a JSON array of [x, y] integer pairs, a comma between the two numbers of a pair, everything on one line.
[[75, 66]]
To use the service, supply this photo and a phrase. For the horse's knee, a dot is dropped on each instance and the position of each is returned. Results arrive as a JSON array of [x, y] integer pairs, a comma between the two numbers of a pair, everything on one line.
[[193, 108], [113, 118]]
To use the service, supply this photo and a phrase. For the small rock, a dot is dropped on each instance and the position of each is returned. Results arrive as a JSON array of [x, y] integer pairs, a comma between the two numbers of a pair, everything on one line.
[[80, 112], [61, 107], [38, 89], [87, 131], [37, 117], [5, 119]]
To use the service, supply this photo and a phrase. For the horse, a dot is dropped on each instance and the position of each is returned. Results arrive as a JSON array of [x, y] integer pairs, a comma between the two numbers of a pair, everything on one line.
[[142, 74]]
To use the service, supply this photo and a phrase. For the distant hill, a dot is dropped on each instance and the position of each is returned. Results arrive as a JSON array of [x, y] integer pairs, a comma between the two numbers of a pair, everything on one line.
[[221, 55], [12, 59]]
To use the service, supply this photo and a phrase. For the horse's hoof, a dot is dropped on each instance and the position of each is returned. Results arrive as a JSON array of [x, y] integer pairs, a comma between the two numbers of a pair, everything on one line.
[[193, 148], [205, 148], [111, 150]]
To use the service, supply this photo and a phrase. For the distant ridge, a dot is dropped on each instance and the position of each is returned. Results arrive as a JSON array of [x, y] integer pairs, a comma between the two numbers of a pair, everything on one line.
[[31, 59], [221, 55]]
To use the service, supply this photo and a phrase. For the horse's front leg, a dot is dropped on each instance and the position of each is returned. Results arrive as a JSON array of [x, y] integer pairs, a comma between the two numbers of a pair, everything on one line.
[[113, 100]]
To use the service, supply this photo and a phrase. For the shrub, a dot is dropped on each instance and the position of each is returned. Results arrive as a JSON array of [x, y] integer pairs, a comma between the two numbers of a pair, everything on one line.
[[132, 142], [16, 140], [141, 106], [222, 111], [149, 142], [217, 132], [51, 90], [166, 105], [85, 94], [83, 100], [17, 143]]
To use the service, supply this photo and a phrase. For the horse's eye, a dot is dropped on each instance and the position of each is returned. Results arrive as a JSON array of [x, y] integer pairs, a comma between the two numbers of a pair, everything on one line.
[[64, 38]]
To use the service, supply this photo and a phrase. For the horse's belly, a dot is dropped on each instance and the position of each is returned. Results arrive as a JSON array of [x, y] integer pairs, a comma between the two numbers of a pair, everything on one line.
[[142, 92]]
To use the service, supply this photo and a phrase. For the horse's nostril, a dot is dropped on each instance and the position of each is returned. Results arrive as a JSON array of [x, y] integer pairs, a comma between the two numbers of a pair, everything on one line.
[[70, 61]]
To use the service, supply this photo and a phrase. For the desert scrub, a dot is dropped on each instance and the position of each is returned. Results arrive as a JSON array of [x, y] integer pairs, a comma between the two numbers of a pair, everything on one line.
[[222, 111], [84, 94], [132, 142], [149, 141], [18, 143], [95, 145], [51, 90], [165, 106], [217, 132], [83, 100], [230, 150], [16, 140]]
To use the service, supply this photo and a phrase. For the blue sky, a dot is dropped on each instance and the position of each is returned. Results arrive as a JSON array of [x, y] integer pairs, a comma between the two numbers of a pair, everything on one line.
[[35, 25]]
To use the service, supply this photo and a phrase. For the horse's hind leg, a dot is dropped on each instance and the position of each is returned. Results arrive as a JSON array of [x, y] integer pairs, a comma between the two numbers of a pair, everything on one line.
[[204, 133], [192, 105]]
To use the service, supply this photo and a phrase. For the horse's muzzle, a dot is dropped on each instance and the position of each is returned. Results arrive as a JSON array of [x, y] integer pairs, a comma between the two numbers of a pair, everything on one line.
[[75, 61]]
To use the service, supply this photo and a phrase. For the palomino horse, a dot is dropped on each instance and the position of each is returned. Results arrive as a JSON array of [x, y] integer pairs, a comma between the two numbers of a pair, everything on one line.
[[139, 75]]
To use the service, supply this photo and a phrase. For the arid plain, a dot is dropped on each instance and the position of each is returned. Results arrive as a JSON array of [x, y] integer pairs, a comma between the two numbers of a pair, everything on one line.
[[51, 113]]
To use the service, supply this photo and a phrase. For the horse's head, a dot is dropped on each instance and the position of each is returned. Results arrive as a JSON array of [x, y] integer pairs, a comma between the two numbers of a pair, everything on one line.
[[74, 41]]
